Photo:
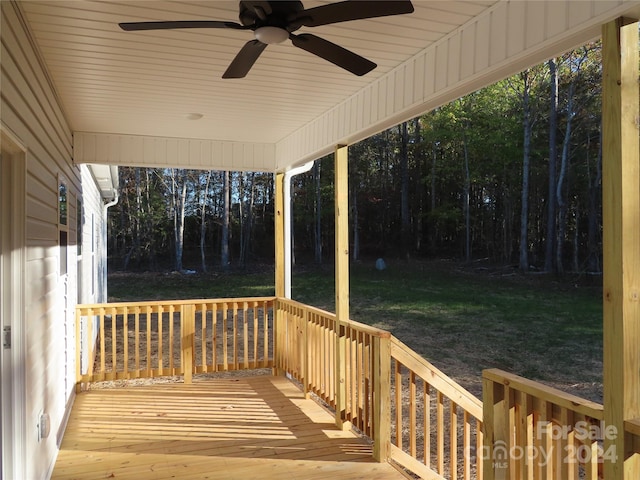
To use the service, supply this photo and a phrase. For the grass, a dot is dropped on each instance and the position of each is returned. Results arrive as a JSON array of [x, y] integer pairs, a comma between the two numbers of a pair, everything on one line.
[[463, 320]]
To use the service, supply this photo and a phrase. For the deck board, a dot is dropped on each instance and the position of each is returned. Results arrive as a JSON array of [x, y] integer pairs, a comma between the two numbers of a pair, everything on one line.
[[226, 428]]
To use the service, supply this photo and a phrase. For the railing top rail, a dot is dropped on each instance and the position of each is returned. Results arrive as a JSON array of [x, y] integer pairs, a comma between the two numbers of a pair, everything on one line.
[[376, 332], [436, 378], [195, 301], [633, 426], [544, 392]]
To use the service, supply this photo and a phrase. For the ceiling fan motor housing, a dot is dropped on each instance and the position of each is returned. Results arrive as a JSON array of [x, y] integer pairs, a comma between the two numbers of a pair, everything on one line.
[[270, 14]]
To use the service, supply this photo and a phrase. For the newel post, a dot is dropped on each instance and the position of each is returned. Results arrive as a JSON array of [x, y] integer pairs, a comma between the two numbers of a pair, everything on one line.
[[382, 397], [621, 244], [188, 317], [496, 461]]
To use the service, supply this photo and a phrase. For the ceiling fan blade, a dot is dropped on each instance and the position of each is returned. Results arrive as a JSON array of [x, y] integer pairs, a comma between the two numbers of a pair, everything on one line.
[[333, 53], [168, 25], [351, 10], [245, 59]]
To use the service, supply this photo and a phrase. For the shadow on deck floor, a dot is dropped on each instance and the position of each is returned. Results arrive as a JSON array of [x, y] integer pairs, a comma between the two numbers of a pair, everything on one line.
[[225, 428]]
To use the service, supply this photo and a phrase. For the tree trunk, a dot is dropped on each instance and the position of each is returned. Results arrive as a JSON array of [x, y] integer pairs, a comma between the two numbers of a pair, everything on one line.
[[203, 221], [593, 230], [524, 211], [318, 213], [560, 188], [355, 249], [405, 221], [432, 194], [224, 240], [418, 156], [549, 255], [179, 190], [466, 201], [248, 224]]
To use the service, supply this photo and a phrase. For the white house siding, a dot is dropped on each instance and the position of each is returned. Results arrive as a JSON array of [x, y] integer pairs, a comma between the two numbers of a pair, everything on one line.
[[30, 111]]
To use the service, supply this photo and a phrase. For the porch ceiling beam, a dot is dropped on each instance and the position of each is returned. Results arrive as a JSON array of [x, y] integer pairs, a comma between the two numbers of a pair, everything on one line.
[[621, 242], [169, 152]]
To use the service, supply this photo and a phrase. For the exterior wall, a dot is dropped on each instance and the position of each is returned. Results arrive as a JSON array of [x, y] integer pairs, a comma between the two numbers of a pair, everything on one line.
[[92, 263], [31, 113]]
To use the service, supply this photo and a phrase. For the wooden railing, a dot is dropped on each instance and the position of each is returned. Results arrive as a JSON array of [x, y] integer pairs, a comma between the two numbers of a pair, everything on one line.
[[306, 350], [149, 339], [437, 424], [533, 431], [384, 378], [632, 428], [415, 415]]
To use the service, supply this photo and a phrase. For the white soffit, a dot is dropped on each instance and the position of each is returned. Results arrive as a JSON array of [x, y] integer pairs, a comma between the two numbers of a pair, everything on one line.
[[133, 92], [106, 178]]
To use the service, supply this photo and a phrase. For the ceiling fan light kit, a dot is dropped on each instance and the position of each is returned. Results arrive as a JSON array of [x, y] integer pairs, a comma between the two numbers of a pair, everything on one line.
[[275, 21], [269, 35]]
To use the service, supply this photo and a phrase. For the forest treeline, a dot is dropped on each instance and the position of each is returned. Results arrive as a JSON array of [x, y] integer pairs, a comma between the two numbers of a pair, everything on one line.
[[510, 173]]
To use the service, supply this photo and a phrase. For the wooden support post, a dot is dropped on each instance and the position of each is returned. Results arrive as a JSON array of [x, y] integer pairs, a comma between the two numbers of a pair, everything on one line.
[[78, 352], [495, 451], [341, 191], [382, 397], [280, 273], [621, 243], [187, 340], [279, 234]]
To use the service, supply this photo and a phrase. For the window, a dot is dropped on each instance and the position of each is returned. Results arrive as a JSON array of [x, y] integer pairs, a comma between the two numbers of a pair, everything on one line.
[[63, 210], [79, 222], [63, 228]]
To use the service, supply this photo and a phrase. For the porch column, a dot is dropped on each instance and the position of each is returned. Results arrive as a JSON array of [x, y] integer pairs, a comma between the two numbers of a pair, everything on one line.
[[279, 234], [341, 188], [621, 244], [278, 329]]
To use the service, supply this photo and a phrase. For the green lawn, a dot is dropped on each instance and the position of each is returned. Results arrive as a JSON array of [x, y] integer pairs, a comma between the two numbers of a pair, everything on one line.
[[460, 319]]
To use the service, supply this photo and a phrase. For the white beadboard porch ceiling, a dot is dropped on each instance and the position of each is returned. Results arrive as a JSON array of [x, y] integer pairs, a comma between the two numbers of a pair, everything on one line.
[[145, 84]]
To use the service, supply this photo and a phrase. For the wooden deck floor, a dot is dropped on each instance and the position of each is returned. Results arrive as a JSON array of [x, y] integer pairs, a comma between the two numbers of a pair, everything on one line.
[[225, 428]]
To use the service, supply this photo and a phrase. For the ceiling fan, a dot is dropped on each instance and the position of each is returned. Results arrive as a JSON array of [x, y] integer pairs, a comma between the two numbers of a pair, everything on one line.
[[275, 22]]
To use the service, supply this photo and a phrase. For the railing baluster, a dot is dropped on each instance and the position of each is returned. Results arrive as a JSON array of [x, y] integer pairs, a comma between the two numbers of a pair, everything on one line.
[[245, 334], [412, 413], [440, 431], [398, 392], [479, 450], [466, 445], [160, 340], [103, 353], [256, 334], [426, 396], [214, 336], [235, 337], [136, 333], [225, 347], [453, 440], [171, 339], [148, 359]]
